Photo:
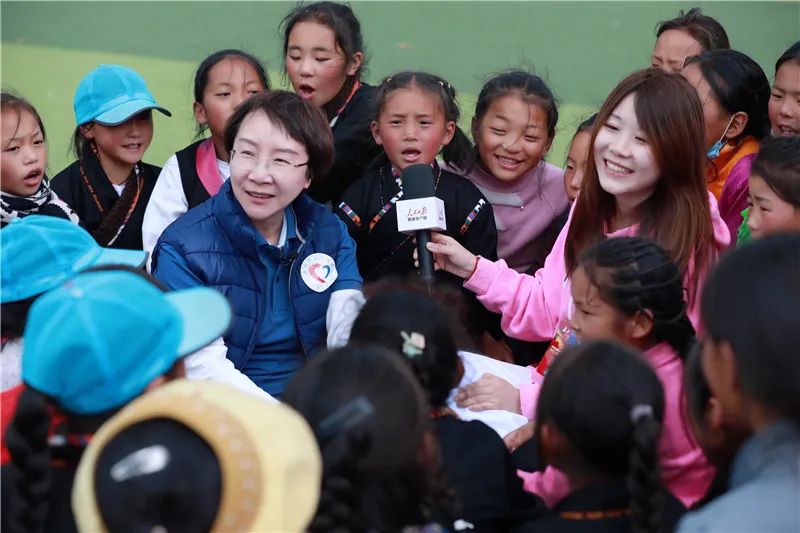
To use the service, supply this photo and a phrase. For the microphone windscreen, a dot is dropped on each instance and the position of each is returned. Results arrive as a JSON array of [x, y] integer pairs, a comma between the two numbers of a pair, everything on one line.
[[418, 182]]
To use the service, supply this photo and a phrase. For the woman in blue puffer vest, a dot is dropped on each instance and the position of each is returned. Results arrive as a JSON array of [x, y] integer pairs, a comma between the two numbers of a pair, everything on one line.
[[286, 264]]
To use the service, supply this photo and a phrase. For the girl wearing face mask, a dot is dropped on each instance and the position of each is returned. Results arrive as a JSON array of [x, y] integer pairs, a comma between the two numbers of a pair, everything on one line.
[[734, 92], [324, 59]]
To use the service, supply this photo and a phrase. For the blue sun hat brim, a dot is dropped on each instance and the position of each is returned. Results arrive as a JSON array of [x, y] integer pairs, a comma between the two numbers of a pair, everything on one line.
[[112, 94]]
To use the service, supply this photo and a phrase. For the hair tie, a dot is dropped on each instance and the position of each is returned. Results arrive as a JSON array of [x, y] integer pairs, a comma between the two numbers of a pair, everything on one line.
[[413, 344], [344, 419], [639, 411]]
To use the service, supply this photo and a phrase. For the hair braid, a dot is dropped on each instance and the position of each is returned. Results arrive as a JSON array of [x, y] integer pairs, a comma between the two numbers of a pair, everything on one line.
[[644, 478], [27, 443]]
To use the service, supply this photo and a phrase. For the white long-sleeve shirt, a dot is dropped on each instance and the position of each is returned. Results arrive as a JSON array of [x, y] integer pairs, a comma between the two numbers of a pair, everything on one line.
[[168, 202]]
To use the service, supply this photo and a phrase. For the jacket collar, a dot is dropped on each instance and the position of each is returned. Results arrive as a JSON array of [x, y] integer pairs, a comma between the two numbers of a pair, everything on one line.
[[241, 232]]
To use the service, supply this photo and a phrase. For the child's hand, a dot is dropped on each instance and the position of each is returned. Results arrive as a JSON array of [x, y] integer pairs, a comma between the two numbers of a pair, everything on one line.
[[489, 392], [450, 256], [519, 436]]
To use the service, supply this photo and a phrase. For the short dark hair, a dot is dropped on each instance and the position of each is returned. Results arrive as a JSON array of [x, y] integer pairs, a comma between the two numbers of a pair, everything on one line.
[[791, 54], [739, 84], [704, 29], [341, 20], [750, 303], [778, 164], [300, 120]]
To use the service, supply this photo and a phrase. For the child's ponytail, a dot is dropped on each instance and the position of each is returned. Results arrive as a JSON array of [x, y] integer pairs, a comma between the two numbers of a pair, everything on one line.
[[458, 152], [27, 443], [644, 476]]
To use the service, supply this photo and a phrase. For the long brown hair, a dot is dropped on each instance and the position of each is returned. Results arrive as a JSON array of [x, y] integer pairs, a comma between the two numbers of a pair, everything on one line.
[[677, 215]]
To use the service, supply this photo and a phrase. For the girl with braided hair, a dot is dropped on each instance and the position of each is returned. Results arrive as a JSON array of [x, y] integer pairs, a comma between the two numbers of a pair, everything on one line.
[[475, 462], [379, 455], [599, 420]]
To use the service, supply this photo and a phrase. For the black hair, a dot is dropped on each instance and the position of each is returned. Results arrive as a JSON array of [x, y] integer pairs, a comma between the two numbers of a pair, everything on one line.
[[387, 317], [20, 104], [204, 69], [749, 302], [183, 497], [738, 84], [697, 393], [300, 120], [14, 316], [31, 452], [370, 419], [586, 125], [608, 402], [636, 275], [778, 164], [339, 18], [791, 54], [704, 29], [458, 152], [531, 88]]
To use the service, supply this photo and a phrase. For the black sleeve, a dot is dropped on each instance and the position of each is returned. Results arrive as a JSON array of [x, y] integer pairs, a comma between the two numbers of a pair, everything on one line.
[[477, 232], [62, 185]]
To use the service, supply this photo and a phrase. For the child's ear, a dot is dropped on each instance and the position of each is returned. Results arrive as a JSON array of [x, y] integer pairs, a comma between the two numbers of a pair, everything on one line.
[[715, 416], [548, 146], [355, 63], [640, 325], [738, 124], [376, 132], [87, 130], [449, 132], [199, 113], [474, 126]]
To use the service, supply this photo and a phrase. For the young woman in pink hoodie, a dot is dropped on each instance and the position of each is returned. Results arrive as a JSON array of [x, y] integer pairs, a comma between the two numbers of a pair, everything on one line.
[[645, 176]]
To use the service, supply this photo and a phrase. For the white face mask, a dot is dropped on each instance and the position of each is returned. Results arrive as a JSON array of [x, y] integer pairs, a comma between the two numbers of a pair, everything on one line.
[[716, 148]]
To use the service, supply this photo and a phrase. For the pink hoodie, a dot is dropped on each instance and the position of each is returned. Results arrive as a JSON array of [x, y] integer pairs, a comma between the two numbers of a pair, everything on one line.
[[532, 308], [684, 469]]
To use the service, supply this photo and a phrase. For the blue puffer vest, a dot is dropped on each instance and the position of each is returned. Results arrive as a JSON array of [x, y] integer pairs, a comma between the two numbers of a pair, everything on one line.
[[218, 242]]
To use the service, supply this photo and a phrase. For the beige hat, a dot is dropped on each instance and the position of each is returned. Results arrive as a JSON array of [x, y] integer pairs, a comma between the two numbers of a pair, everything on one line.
[[268, 457]]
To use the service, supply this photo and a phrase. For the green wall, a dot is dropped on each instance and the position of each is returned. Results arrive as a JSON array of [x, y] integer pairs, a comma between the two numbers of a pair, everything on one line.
[[581, 48]]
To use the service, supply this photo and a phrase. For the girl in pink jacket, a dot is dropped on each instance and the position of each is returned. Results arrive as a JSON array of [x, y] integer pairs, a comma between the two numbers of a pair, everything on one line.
[[644, 176]]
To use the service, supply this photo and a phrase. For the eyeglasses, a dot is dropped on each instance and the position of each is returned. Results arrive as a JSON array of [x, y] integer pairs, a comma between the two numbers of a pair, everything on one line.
[[248, 159]]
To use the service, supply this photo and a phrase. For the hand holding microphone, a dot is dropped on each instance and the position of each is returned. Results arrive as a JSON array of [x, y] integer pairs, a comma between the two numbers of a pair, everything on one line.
[[419, 212], [450, 256]]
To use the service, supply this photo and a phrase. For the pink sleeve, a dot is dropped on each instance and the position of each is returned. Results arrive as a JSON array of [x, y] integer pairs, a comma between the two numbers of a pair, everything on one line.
[[733, 199], [528, 398], [551, 485], [530, 305]]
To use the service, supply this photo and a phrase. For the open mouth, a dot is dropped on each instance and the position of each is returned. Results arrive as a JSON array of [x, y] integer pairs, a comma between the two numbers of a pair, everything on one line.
[[508, 163], [411, 154], [306, 91], [34, 177], [132, 147], [617, 169], [787, 130]]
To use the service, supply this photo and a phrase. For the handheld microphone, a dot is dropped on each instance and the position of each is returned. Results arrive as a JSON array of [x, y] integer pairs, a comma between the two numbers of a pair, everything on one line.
[[419, 212]]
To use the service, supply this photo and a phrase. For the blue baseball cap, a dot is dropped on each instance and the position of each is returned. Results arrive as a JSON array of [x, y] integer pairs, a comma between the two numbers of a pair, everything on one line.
[[41, 252], [111, 94], [99, 340]]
